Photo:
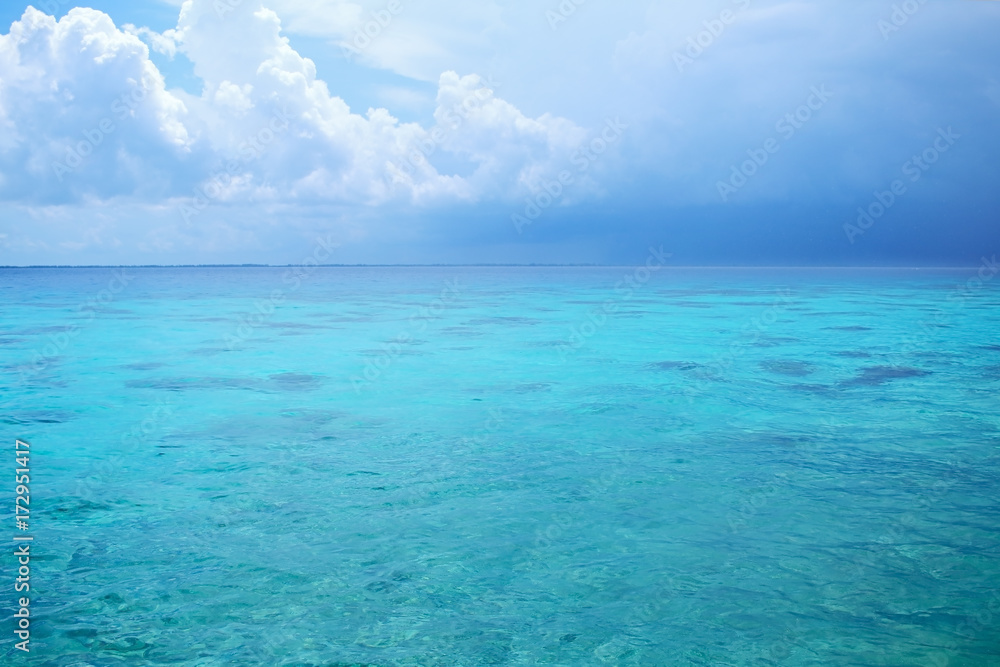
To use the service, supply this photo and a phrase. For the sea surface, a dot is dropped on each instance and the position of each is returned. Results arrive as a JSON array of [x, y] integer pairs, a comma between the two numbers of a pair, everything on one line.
[[505, 466]]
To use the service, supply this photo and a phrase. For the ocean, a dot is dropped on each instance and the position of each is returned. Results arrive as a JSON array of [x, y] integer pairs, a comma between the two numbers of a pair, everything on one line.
[[322, 466]]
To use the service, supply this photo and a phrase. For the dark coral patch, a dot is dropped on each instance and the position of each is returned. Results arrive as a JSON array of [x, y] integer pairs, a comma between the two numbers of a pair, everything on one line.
[[787, 367], [673, 366], [874, 376]]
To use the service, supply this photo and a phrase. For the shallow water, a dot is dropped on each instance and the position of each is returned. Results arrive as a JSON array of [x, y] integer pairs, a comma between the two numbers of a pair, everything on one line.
[[486, 466]]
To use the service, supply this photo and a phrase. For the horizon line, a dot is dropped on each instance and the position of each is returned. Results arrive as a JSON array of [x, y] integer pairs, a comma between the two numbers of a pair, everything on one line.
[[481, 265]]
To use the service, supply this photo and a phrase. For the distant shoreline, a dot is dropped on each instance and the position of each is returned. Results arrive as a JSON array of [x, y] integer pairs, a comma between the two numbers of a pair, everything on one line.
[[495, 266]]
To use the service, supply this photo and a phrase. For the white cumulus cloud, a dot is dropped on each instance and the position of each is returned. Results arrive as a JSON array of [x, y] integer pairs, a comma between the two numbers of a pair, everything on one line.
[[85, 115]]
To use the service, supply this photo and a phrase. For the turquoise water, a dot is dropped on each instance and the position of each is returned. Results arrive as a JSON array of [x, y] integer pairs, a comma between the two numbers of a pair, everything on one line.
[[476, 466]]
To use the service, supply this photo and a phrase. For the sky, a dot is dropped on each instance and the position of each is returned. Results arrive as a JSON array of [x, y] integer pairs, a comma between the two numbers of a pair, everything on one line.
[[727, 132]]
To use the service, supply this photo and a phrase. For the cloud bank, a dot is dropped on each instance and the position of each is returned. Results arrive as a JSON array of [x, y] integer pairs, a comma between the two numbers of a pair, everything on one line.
[[501, 131], [86, 116]]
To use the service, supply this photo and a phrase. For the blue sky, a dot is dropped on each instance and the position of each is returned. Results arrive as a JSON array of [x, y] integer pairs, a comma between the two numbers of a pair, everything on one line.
[[729, 132]]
